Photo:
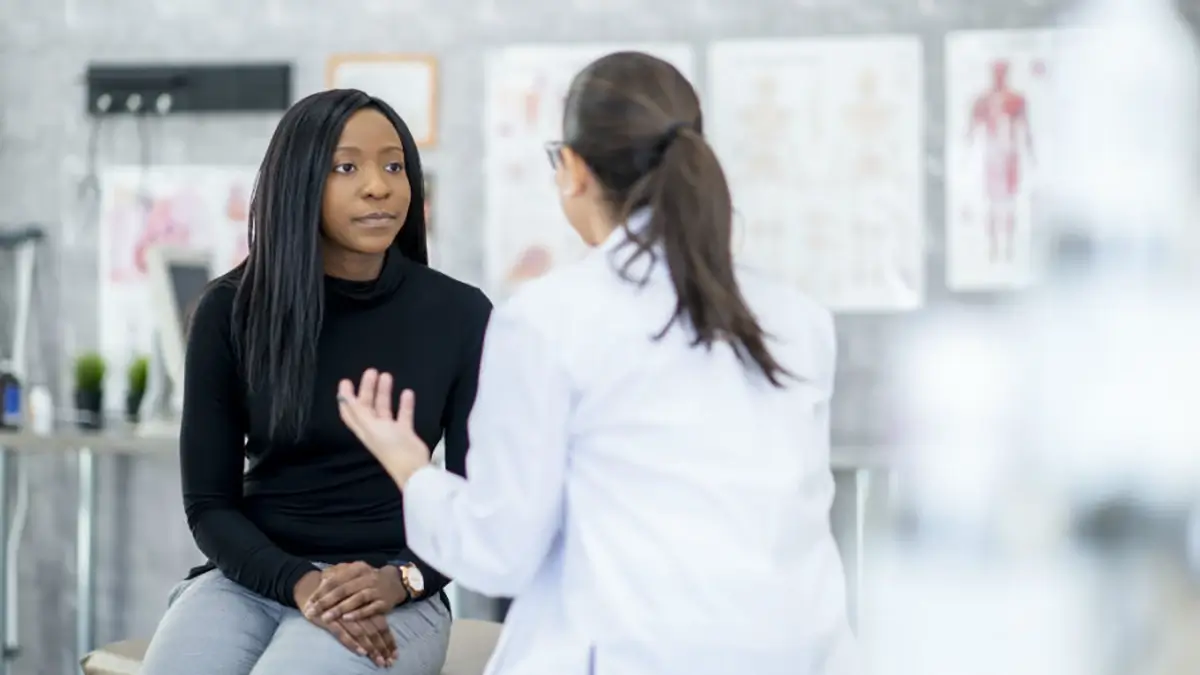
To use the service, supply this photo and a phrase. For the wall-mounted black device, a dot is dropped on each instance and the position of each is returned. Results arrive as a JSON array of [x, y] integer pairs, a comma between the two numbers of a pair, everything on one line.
[[124, 89]]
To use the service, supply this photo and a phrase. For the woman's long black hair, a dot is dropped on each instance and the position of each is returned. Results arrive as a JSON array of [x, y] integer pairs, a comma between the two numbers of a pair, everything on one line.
[[280, 300]]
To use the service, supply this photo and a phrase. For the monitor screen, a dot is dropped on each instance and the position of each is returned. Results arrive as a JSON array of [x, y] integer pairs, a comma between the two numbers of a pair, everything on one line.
[[188, 281]]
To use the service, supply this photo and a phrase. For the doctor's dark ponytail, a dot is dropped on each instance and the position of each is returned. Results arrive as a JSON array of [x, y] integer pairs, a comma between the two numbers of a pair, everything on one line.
[[636, 122]]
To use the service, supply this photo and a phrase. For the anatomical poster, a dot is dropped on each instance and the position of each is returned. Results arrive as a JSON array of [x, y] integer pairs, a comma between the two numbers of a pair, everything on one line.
[[821, 142], [997, 112], [184, 207], [525, 231]]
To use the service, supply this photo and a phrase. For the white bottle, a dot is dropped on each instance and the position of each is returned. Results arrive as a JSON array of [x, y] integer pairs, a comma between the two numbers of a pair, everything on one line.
[[41, 410]]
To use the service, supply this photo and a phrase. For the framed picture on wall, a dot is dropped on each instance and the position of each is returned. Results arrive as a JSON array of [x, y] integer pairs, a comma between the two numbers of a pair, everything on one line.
[[408, 82]]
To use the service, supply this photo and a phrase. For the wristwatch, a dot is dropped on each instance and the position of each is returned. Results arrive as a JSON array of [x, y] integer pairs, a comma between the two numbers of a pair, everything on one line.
[[412, 579]]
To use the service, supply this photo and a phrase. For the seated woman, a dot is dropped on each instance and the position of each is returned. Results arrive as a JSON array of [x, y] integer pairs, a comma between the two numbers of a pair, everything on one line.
[[336, 281]]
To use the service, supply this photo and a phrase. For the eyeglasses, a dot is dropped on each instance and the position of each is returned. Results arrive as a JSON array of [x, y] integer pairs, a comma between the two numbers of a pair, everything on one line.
[[554, 153]]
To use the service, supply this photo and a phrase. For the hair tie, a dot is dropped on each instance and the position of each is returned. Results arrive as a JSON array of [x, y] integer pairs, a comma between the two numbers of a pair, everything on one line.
[[671, 133], [649, 157]]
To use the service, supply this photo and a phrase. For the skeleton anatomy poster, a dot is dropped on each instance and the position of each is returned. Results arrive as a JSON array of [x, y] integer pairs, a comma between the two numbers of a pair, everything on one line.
[[997, 98], [821, 141], [525, 232]]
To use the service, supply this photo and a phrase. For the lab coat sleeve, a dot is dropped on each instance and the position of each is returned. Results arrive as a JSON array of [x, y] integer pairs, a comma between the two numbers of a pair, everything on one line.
[[491, 530]]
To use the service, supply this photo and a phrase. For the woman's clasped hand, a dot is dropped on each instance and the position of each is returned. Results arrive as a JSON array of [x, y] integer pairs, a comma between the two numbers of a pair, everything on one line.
[[352, 601]]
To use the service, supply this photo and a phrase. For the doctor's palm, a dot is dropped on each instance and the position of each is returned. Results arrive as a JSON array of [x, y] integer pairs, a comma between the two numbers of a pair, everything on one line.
[[368, 413]]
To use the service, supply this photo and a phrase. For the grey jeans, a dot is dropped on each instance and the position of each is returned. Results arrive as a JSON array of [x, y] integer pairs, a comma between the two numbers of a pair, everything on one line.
[[213, 626]]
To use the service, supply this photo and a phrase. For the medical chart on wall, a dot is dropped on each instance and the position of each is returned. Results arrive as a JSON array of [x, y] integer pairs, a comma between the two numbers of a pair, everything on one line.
[[525, 232], [998, 91], [821, 140], [188, 207]]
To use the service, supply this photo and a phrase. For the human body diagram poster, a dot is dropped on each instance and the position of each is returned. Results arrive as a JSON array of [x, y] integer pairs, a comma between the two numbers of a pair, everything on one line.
[[185, 207], [998, 91], [525, 232], [821, 140]]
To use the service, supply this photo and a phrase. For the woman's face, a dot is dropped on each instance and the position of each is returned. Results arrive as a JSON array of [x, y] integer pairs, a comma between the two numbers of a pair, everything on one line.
[[367, 193]]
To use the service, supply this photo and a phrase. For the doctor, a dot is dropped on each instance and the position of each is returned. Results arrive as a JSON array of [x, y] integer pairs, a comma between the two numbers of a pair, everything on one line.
[[650, 473]]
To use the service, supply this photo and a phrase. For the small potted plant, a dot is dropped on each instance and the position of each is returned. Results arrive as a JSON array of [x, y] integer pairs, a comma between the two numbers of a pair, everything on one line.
[[139, 373], [89, 390]]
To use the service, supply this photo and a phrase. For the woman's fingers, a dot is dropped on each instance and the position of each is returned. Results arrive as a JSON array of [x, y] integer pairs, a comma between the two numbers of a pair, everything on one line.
[[377, 607], [348, 407], [373, 399], [335, 600], [363, 634], [348, 641], [391, 650], [408, 403], [379, 634], [366, 388], [383, 397], [361, 600]]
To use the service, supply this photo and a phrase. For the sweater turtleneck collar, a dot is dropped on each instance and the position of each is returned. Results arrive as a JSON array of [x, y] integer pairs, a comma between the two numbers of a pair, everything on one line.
[[344, 292]]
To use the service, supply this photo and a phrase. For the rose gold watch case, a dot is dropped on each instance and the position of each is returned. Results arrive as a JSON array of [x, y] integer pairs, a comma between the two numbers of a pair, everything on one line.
[[413, 580]]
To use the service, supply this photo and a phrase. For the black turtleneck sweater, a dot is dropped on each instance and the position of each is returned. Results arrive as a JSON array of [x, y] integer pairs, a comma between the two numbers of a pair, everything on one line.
[[324, 498]]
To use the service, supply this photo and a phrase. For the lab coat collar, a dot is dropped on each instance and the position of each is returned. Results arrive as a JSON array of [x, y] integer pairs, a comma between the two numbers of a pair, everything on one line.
[[638, 221], [612, 248]]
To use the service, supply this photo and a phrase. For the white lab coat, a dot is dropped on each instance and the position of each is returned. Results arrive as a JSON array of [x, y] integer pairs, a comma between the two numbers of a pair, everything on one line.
[[653, 507]]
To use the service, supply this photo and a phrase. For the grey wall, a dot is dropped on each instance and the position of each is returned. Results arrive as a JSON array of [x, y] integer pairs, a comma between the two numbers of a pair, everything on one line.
[[44, 47]]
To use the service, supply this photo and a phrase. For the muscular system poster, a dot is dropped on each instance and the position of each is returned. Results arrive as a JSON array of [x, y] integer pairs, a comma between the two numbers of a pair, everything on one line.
[[997, 91]]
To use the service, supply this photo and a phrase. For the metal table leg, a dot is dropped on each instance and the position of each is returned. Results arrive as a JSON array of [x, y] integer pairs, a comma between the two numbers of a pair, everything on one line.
[[85, 546], [6, 460]]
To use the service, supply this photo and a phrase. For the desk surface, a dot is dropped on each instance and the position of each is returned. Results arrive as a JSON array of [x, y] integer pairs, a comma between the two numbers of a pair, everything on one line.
[[126, 442], [114, 442]]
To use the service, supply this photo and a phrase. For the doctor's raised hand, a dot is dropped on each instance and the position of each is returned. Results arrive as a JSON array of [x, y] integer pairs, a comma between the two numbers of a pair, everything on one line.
[[390, 437]]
